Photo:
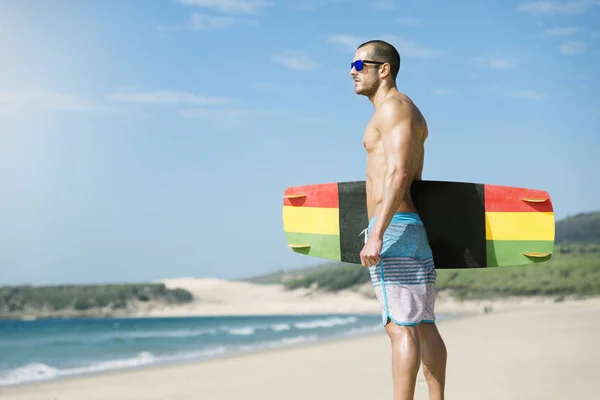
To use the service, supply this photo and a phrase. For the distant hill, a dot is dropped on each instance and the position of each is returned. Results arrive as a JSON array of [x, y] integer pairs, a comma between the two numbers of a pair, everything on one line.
[[573, 270], [85, 300], [583, 228]]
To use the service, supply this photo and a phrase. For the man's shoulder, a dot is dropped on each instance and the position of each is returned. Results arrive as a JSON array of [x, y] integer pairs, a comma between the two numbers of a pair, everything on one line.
[[395, 109]]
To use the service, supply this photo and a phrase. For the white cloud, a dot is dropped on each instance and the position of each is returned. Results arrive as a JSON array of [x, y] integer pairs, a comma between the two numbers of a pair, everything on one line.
[[526, 94], [230, 6], [502, 63], [547, 7], [497, 63], [409, 48], [443, 92], [564, 31], [222, 113], [572, 48], [51, 99], [16, 101], [404, 46], [165, 97], [294, 59], [203, 22], [347, 42], [519, 93]]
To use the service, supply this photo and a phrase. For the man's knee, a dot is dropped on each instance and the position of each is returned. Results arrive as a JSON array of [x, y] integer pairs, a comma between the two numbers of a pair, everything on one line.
[[431, 340]]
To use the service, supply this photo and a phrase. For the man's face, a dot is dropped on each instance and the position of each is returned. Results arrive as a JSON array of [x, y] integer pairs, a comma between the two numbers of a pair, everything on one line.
[[366, 81]]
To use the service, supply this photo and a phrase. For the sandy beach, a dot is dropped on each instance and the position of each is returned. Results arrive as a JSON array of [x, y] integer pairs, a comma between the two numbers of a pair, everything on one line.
[[531, 350], [223, 297]]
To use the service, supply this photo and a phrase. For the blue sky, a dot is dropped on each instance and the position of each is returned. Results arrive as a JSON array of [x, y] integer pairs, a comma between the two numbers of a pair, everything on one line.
[[144, 140]]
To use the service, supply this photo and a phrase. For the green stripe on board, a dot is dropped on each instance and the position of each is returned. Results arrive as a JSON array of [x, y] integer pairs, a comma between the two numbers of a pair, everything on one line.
[[323, 246], [510, 252]]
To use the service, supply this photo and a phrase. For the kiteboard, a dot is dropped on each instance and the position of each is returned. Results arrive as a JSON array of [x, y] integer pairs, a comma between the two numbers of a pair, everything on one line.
[[469, 225]]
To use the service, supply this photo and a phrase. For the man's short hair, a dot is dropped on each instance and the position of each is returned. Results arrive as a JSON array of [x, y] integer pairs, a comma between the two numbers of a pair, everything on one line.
[[384, 52]]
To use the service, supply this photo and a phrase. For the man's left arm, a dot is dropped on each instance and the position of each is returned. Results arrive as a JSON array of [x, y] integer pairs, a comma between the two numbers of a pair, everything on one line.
[[396, 135]]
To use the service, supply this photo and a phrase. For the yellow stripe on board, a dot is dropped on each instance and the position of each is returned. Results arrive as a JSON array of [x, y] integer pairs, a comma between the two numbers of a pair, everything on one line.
[[323, 220], [519, 225]]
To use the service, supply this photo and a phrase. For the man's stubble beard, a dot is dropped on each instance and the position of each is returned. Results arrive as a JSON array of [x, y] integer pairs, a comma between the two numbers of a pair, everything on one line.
[[369, 91]]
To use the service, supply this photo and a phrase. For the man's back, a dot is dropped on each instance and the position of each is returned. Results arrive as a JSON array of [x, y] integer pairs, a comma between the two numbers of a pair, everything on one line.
[[403, 115]]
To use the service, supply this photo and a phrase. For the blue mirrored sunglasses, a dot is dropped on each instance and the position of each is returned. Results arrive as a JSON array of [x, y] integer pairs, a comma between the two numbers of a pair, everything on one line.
[[360, 64]]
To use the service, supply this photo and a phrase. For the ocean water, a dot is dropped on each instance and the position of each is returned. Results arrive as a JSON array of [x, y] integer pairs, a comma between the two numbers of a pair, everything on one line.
[[48, 349]]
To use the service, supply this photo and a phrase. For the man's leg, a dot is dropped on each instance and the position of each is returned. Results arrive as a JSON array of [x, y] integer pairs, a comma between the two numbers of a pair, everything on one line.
[[433, 356], [406, 359]]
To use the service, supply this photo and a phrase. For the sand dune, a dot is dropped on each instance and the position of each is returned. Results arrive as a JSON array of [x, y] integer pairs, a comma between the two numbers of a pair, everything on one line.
[[223, 297]]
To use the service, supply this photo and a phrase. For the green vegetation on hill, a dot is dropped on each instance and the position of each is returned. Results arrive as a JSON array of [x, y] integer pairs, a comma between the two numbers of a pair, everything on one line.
[[580, 228], [84, 299], [330, 276], [574, 269], [284, 275]]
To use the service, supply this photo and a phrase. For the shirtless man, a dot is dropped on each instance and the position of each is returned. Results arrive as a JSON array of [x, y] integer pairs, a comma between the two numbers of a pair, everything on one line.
[[396, 249]]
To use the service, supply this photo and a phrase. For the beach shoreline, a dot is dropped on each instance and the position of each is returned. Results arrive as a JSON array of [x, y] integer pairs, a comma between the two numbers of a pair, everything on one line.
[[222, 298], [312, 339], [165, 366], [185, 363], [483, 349]]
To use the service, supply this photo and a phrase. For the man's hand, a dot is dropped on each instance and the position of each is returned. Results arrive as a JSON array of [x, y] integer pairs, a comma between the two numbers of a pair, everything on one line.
[[370, 254]]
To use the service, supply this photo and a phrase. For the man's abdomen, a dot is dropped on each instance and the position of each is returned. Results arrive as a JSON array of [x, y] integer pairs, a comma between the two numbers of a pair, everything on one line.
[[375, 191]]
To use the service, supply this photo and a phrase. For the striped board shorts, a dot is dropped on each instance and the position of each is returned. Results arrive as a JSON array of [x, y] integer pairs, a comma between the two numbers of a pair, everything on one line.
[[404, 279]]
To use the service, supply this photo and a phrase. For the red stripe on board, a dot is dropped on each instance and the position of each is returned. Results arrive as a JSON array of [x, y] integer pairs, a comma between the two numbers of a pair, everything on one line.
[[321, 195], [510, 199]]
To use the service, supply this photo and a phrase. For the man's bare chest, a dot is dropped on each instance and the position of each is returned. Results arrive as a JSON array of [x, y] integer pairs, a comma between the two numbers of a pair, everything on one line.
[[371, 138]]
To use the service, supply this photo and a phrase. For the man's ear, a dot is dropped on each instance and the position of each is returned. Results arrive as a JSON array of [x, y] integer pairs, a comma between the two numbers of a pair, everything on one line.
[[386, 70]]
